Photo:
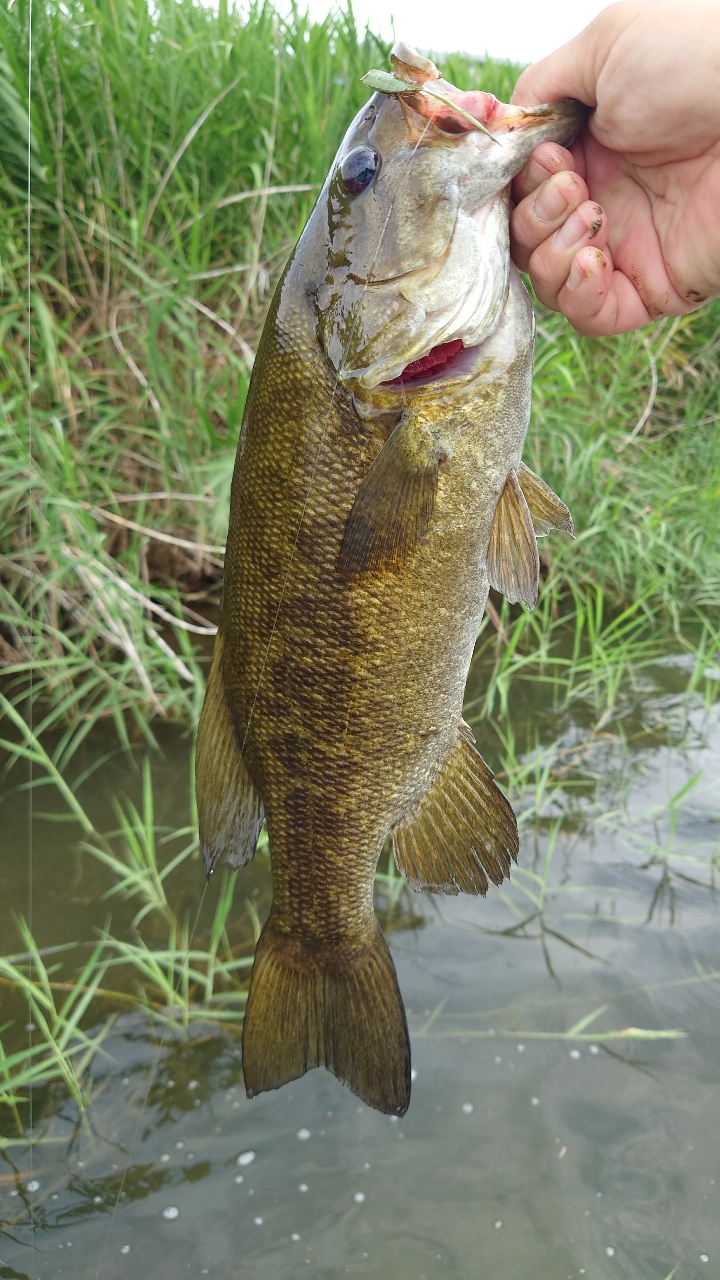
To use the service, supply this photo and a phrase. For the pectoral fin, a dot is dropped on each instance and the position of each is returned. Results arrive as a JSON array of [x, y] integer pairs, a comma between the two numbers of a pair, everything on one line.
[[230, 807], [546, 510], [513, 564], [462, 833], [393, 506]]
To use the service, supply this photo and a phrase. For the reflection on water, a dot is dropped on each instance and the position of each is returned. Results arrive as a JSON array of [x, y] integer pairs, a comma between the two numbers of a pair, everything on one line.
[[524, 1153]]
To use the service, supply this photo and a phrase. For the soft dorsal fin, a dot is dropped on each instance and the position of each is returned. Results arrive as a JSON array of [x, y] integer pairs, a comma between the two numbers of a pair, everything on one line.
[[393, 506], [513, 564], [230, 807], [462, 833], [546, 509]]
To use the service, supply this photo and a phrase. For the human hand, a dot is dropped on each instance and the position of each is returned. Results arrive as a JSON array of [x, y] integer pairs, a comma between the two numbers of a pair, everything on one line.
[[625, 227]]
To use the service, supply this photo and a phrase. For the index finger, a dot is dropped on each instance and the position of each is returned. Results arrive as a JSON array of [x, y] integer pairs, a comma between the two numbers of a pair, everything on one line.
[[547, 159]]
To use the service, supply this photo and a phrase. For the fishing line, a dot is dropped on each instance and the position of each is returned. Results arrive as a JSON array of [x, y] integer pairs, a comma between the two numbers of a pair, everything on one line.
[[31, 647], [273, 628]]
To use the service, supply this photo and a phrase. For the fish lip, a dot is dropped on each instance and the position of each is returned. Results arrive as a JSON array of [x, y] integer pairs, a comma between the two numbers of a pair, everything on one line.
[[528, 117]]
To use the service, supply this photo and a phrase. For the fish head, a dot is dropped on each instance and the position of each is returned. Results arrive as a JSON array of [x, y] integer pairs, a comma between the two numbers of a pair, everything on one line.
[[415, 216]]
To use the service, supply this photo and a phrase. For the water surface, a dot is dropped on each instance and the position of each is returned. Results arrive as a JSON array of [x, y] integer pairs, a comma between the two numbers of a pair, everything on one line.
[[523, 1154]]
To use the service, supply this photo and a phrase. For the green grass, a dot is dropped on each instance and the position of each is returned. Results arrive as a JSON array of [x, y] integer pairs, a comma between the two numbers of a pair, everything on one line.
[[176, 153]]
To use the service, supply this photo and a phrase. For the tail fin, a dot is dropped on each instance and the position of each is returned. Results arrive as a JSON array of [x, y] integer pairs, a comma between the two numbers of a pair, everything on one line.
[[338, 1007]]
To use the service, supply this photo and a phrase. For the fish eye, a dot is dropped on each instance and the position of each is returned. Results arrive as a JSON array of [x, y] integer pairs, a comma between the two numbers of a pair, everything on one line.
[[358, 169]]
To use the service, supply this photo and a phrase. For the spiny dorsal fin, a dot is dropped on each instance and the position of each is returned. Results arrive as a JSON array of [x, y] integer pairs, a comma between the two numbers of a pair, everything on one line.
[[393, 506], [513, 564], [230, 807], [546, 510], [462, 833]]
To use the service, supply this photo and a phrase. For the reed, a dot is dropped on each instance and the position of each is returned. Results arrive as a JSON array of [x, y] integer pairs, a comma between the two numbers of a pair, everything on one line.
[[175, 154]]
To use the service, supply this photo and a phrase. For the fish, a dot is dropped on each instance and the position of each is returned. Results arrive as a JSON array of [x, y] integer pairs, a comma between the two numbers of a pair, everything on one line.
[[378, 492]]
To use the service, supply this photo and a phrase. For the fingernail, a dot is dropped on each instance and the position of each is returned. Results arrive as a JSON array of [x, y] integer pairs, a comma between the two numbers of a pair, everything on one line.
[[549, 203], [576, 277], [571, 232]]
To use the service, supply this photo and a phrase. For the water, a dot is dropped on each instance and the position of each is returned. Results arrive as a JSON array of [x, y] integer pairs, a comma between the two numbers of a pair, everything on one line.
[[523, 1153]]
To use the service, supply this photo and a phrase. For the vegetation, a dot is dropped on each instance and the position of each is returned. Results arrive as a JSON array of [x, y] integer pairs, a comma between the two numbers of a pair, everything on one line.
[[175, 154]]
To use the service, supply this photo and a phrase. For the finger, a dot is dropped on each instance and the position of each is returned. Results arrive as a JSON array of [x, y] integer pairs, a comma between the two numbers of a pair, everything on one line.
[[547, 159], [597, 299], [542, 213], [570, 72], [549, 265]]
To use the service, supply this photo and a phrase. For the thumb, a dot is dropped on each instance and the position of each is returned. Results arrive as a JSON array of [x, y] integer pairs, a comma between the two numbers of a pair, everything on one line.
[[572, 71], [569, 72]]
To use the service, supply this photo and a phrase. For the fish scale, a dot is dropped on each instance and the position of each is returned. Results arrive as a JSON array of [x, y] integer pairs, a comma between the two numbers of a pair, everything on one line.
[[367, 521]]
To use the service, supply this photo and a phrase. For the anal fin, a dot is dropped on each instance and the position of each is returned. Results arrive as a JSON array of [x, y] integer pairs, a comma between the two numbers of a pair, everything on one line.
[[513, 564], [547, 511], [230, 807], [393, 506], [463, 832]]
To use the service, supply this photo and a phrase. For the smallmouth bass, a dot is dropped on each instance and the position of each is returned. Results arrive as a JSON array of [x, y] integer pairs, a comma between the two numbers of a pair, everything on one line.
[[378, 493]]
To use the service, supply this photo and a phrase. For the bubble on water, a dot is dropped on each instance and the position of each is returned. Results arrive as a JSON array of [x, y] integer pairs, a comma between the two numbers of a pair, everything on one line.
[[171, 1084], [535, 1102], [359, 1197], [192, 1084], [294, 1236], [190, 1155], [34, 1185], [258, 1222], [498, 1059], [610, 1251], [413, 1074], [575, 1054], [303, 1186], [97, 1199], [366, 1165], [239, 1178], [164, 1157], [126, 1079], [197, 1102], [467, 1108], [704, 1257], [594, 1049], [171, 1212], [54, 1196], [394, 1119], [236, 1106], [521, 1048], [29, 1026], [179, 1146], [498, 1225], [247, 1157], [125, 1248], [303, 1134]]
